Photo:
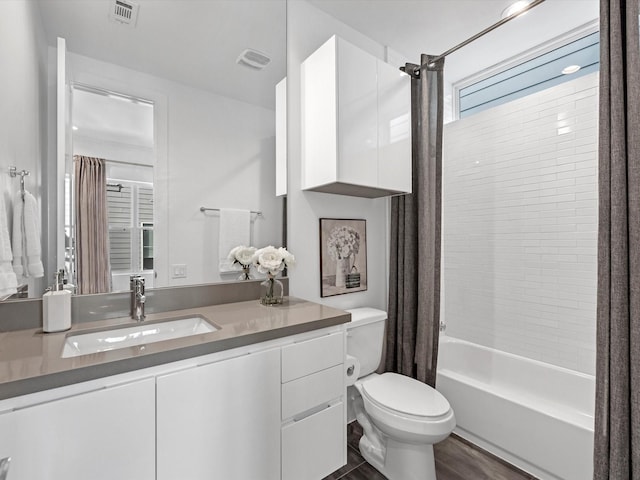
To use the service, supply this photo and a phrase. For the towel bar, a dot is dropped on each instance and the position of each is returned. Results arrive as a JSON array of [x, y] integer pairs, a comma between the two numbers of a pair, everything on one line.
[[206, 209]]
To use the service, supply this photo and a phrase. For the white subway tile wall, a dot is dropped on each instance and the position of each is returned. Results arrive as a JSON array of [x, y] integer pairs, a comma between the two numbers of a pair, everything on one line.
[[520, 226]]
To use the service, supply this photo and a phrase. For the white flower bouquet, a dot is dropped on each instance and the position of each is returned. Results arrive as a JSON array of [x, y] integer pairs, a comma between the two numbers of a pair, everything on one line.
[[271, 260], [243, 256], [343, 242]]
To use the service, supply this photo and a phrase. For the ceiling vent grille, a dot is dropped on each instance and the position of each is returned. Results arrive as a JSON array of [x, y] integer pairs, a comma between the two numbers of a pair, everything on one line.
[[124, 11], [253, 59]]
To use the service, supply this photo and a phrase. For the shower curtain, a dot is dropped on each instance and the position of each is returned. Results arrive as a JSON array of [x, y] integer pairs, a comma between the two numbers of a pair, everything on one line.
[[92, 230], [617, 419], [414, 277]]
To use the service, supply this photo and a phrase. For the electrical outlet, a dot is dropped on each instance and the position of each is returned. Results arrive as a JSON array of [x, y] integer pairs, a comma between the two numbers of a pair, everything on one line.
[[179, 271]]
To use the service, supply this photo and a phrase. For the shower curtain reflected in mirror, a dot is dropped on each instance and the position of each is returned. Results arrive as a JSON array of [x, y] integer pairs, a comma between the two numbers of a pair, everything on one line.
[[91, 230]]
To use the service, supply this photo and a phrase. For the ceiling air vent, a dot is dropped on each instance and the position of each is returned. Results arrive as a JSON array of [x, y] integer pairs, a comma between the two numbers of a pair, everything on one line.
[[124, 11], [253, 59]]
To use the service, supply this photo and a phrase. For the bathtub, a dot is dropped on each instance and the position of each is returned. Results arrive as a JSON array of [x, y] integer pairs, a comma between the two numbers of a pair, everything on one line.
[[534, 415]]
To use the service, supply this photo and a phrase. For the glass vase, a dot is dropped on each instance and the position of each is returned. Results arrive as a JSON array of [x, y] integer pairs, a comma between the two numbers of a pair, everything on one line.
[[271, 291], [245, 275]]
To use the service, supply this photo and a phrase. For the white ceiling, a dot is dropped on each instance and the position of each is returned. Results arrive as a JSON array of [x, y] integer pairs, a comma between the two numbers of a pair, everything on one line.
[[413, 27], [197, 41]]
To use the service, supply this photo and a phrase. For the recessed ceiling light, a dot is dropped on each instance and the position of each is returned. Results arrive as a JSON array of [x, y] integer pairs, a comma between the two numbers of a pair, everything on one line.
[[570, 69], [514, 8], [74, 128]]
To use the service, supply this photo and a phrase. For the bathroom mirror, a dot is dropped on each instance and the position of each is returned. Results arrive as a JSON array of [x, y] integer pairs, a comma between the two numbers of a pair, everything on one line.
[[206, 72]]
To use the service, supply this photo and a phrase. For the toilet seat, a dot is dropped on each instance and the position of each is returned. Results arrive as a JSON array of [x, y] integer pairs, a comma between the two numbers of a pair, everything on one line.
[[403, 395]]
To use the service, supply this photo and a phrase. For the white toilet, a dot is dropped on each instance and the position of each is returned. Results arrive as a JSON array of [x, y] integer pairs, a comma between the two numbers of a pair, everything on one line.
[[401, 417]]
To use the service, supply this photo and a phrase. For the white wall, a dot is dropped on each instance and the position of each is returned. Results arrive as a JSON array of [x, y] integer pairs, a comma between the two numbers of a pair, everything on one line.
[[211, 151], [307, 29], [520, 225], [23, 106]]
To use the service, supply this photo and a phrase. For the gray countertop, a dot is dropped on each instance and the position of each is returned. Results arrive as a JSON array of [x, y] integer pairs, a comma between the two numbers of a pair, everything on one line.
[[30, 360]]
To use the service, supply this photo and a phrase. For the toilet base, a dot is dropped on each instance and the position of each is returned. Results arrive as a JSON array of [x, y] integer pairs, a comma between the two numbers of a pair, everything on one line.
[[402, 461]]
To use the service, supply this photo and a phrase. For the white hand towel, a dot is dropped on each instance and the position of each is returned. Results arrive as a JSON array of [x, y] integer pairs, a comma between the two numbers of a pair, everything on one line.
[[8, 281], [235, 230], [27, 259]]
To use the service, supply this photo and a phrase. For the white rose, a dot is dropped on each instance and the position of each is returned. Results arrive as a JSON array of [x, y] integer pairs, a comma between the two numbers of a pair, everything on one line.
[[268, 260], [242, 254], [288, 258]]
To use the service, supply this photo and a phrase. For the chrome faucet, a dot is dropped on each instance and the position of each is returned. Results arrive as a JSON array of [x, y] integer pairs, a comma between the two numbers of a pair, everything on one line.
[[136, 285]]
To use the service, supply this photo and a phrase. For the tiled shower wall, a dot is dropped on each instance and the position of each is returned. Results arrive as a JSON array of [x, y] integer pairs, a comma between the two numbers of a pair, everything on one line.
[[520, 226]]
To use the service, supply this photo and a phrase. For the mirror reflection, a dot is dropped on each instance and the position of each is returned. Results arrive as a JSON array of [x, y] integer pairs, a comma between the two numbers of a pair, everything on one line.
[[176, 102], [108, 125]]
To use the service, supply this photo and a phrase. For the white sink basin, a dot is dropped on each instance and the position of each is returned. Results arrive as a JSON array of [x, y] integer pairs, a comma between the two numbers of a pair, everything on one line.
[[131, 336]]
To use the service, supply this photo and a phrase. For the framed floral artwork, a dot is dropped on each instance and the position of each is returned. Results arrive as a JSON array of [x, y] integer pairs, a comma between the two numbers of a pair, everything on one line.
[[343, 256]]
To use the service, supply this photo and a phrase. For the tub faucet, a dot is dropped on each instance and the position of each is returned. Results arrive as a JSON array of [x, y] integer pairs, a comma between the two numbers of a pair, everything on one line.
[[136, 284]]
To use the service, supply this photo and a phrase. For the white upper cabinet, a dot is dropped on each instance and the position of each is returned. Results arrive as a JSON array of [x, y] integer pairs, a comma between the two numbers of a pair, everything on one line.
[[356, 120]]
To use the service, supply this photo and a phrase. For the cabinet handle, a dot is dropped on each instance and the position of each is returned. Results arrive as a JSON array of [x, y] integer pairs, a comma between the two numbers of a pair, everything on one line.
[[4, 468]]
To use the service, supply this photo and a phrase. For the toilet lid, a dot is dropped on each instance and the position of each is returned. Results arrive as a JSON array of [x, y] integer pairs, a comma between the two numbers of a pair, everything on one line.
[[406, 395]]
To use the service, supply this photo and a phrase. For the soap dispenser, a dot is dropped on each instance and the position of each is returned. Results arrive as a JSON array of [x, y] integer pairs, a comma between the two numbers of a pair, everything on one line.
[[56, 306]]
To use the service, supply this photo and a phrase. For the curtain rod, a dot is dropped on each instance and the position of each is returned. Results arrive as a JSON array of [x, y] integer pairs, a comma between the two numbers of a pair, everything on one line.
[[499, 23], [121, 162]]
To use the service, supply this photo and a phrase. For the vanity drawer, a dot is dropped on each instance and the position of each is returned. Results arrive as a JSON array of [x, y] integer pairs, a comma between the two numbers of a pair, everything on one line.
[[310, 356], [314, 447], [305, 393]]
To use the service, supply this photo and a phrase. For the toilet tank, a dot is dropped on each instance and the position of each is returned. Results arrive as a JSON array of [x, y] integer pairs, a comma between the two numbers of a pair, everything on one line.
[[365, 335]]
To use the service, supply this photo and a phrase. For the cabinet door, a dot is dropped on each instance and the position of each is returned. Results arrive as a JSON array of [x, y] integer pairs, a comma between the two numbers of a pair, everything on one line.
[[221, 421], [105, 434], [394, 128], [7, 438], [357, 116], [315, 446]]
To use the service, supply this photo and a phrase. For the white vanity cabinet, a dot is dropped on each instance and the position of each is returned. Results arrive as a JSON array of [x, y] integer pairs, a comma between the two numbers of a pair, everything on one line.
[[221, 420], [355, 123], [313, 407], [107, 434], [268, 411]]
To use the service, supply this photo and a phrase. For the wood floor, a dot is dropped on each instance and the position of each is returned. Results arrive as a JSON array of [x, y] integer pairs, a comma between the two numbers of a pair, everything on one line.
[[456, 459]]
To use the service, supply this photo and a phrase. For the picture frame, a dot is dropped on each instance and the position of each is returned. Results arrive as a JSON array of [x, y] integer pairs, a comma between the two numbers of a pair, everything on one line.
[[343, 256]]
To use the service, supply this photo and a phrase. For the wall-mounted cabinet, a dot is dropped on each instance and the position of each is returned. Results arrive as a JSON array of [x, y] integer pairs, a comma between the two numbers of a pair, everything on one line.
[[356, 123]]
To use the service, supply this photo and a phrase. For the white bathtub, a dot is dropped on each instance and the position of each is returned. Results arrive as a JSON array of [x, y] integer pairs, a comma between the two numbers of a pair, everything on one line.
[[536, 416]]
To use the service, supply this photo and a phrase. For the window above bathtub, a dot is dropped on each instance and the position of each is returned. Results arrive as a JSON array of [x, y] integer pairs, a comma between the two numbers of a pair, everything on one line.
[[545, 66]]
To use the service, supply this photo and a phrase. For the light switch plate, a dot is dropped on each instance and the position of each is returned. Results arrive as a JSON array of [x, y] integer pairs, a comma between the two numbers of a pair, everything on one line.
[[179, 270]]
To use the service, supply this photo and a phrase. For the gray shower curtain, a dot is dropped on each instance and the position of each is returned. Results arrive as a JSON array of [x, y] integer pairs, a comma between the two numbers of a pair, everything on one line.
[[92, 229], [617, 420], [414, 277]]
